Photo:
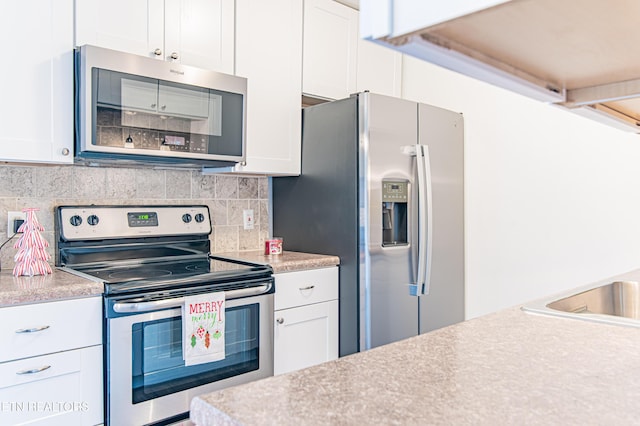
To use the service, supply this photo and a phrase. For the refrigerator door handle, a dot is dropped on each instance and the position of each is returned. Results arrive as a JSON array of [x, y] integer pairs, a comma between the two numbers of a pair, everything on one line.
[[426, 192], [422, 240], [423, 277]]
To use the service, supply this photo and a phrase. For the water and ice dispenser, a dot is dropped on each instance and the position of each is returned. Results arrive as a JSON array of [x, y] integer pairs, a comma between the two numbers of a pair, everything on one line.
[[395, 196]]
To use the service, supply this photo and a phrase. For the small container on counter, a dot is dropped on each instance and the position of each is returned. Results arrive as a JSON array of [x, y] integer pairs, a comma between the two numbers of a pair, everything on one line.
[[273, 246]]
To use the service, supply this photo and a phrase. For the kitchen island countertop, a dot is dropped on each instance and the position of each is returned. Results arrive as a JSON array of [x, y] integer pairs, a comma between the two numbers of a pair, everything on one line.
[[509, 367]]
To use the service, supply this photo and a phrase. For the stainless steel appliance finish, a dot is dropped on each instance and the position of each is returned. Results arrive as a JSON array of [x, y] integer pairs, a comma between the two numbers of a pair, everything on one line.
[[381, 187], [616, 303], [149, 258], [136, 110]]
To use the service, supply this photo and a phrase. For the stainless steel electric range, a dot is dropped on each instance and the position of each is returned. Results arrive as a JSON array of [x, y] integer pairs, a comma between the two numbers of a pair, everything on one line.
[[149, 258]]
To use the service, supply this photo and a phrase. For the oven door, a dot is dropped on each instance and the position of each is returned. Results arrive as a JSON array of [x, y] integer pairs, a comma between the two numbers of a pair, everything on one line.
[[147, 380]]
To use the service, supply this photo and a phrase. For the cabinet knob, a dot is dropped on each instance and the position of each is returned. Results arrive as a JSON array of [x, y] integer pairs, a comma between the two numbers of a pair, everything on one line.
[[280, 320], [157, 52], [174, 55], [65, 151]]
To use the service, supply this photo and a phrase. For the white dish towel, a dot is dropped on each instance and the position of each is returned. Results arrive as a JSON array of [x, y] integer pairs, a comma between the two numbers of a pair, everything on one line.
[[203, 317]]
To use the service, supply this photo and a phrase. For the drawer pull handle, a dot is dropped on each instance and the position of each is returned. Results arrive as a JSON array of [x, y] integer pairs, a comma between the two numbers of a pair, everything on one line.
[[280, 320], [307, 288], [34, 370], [32, 330]]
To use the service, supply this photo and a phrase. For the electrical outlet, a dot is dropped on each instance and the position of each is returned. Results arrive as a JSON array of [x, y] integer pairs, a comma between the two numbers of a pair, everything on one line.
[[247, 218], [12, 216]]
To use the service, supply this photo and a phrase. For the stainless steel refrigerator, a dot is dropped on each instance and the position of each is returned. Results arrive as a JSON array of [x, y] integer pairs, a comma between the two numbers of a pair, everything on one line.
[[381, 187]]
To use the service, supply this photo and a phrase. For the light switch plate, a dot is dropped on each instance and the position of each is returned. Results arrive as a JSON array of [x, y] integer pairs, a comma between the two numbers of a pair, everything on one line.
[[247, 218]]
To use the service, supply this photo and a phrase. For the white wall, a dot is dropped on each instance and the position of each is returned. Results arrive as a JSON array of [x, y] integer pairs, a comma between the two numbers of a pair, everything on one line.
[[552, 200]]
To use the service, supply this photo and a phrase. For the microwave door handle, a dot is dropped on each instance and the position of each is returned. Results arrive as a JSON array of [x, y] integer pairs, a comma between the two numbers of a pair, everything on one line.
[[139, 307]]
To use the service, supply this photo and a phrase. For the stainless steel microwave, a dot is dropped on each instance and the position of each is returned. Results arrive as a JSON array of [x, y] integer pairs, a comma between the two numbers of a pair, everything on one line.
[[132, 110]]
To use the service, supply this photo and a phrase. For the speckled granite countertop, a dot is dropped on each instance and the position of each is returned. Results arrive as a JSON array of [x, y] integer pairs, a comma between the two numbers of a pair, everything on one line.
[[288, 261], [44, 288], [511, 367]]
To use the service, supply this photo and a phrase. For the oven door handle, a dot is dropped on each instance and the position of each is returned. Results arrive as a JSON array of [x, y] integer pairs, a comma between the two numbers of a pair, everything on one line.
[[135, 307]]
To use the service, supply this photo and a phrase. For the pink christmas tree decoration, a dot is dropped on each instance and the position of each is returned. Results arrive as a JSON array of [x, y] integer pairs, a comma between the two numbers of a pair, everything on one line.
[[32, 255]]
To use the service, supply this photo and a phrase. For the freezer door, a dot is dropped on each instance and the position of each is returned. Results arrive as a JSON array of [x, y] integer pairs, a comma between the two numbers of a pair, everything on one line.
[[388, 267], [442, 132]]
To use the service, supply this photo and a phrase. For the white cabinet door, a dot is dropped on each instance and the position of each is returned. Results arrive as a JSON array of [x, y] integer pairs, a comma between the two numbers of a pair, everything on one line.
[[305, 336], [379, 69], [305, 319], [62, 388], [201, 33], [330, 49], [270, 57], [128, 26], [37, 81], [194, 32]]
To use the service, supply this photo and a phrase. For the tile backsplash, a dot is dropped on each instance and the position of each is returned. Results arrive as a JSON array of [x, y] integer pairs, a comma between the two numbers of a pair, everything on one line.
[[46, 187]]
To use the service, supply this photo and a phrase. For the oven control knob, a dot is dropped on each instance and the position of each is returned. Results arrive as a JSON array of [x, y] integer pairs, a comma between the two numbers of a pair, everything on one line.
[[199, 217], [93, 220], [75, 220], [186, 218]]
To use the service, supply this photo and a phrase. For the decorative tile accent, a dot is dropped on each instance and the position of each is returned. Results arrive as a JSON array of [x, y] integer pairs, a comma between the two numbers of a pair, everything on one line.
[[226, 187], [248, 238], [203, 186], [121, 183], [17, 181], [178, 184], [151, 183], [234, 211], [218, 212], [226, 238], [54, 181], [89, 182], [247, 188], [263, 188], [263, 209]]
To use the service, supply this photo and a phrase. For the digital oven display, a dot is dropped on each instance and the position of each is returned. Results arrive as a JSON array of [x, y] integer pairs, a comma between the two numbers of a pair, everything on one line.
[[139, 219]]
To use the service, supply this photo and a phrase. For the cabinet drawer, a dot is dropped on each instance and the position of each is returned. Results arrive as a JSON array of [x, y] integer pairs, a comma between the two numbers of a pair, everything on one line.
[[41, 328], [306, 287], [64, 388]]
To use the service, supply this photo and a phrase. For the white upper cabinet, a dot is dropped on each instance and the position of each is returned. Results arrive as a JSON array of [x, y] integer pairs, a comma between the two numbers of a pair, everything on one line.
[[329, 49], [270, 57], [379, 69], [194, 32], [336, 62], [37, 83], [200, 33]]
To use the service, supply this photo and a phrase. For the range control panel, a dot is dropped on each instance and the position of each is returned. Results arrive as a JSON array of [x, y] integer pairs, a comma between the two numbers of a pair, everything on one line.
[[104, 222]]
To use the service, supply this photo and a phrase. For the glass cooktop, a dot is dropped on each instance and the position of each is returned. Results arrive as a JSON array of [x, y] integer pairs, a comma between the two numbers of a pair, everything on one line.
[[173, 273]]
